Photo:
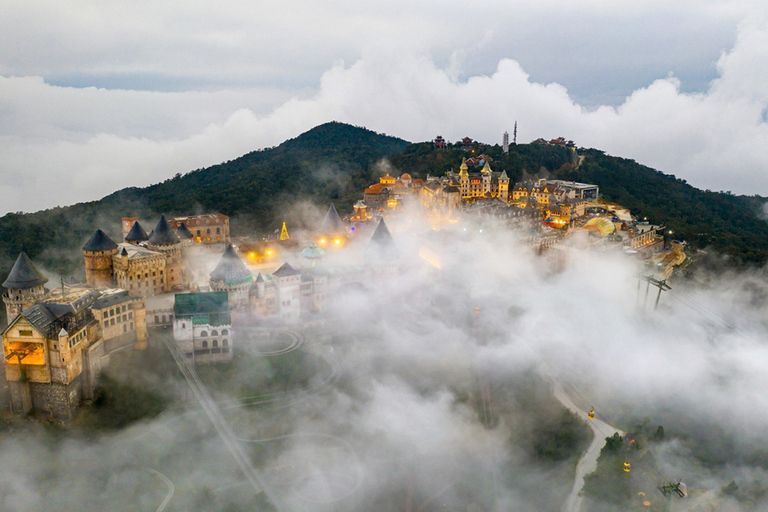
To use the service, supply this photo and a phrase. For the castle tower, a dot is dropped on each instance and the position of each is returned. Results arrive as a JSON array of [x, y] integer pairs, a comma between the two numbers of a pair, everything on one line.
[[127, 224], [164, 240], [504, 187], [464, 178], [98, 252], [487, 174], [24, 287], [505, 142]]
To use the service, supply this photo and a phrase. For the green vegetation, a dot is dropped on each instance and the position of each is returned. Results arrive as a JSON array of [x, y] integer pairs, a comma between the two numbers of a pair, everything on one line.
[[249, 377], [729, 223], [117, 404]]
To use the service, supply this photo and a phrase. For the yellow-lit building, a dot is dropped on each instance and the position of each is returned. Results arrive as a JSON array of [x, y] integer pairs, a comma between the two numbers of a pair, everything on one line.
[[55, 348]]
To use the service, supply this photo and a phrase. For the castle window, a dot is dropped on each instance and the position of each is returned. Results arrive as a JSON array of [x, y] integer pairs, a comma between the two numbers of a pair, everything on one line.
[[183, 325], [224, 332], [106, 324], [215, 344], [218, 231], [131, 325], [203, 334], [163, 318], [125, 328], [25, 333], [118, 319], [157, 319], [208, 231], [125, 317], [205, 344], [224, 343], [214, 333], [112, 321]]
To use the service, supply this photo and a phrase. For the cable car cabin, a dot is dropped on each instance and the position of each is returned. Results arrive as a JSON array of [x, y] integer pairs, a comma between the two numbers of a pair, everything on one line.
[[627, 467], [591, 414]]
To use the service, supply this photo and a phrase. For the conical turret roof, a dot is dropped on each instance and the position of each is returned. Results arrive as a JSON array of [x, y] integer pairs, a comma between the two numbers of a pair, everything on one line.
[[382, 245], [332, 223], [231, 269], [183, 232], [136, 234], [99, 242], [24, 274], [163, 234]]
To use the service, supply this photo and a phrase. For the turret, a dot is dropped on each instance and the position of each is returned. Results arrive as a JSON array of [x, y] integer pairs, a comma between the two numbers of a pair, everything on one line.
[[24, 287], [164, 240], [98, 252], [231, 275], [136, 234], [504, 186]]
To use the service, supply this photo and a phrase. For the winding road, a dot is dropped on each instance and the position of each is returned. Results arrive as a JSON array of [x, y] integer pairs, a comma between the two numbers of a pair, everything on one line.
[[588, 462]]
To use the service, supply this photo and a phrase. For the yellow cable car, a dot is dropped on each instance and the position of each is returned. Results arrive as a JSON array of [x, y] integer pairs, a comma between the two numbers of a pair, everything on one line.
[[591, 414], [627, 467]]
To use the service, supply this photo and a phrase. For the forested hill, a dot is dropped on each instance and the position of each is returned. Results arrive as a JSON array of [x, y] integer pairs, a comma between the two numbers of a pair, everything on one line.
[[331, 162], [335, 162]]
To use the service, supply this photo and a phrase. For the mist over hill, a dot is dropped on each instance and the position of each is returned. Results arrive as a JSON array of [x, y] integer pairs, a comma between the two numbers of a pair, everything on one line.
[[334, 162]]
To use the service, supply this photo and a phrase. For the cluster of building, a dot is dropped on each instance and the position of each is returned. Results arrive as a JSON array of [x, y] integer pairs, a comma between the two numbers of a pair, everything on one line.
[[58, 340]]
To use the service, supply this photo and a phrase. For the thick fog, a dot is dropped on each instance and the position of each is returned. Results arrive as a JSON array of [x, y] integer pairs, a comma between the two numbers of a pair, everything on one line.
[[427, 391]]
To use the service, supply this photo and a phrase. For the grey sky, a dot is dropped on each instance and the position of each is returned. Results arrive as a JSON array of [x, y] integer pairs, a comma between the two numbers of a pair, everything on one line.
[[105, 95]]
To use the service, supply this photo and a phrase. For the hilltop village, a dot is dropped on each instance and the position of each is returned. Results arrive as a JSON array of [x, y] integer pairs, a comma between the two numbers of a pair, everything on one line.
[[190, 276]]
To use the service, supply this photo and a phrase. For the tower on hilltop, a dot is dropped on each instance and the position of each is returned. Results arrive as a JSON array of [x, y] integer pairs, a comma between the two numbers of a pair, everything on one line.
[[505, 142], [98, 252], [514, 134]]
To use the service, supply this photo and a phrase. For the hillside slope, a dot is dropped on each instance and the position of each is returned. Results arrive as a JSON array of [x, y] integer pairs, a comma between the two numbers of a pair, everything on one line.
[[335, 162]]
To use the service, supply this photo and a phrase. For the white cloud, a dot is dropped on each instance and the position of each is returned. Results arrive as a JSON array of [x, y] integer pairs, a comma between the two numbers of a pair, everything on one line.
[[62, 144]]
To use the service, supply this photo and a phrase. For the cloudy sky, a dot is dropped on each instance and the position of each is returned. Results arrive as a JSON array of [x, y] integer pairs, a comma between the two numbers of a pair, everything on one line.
[[96, 96]]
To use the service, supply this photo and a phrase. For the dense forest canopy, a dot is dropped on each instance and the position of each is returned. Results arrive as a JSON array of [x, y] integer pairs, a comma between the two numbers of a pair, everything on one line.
[[334, 162]]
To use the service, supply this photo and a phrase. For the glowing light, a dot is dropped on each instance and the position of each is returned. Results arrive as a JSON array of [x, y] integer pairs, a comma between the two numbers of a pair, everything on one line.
[[337, 241], [323, 241], [252, 255], [269, 252], [647, 503]]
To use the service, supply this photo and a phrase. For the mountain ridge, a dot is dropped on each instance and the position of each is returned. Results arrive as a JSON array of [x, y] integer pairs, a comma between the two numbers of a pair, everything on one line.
[[334, 162]]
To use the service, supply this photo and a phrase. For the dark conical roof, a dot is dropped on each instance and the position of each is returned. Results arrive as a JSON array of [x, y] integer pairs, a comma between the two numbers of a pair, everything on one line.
[[231, 268], [163, 234], [99, 242], [184, 233], [136, 234], [285, 270], [332, 223], [382, 245], [24, 274]]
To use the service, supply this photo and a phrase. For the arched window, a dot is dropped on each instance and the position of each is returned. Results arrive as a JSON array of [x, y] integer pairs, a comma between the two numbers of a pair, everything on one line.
[[205, 344], [183, 325], [215, 343], [163, 318], [131, 325], [157, 319], [224, 343], [203, 334], [214, 333], [224, 332]]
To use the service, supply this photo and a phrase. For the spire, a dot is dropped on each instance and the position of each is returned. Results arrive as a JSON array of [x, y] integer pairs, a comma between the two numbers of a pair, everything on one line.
[[487, 168], [231, 269], [332, 223], [463, 169], [382, 245], [504, 175], [136, 234], [184, 233], [163, 234], [284, 233], [24, 274], [99, 242]]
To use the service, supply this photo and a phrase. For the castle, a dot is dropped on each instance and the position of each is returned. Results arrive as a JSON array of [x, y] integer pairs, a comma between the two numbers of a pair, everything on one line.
[[58, 340]]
